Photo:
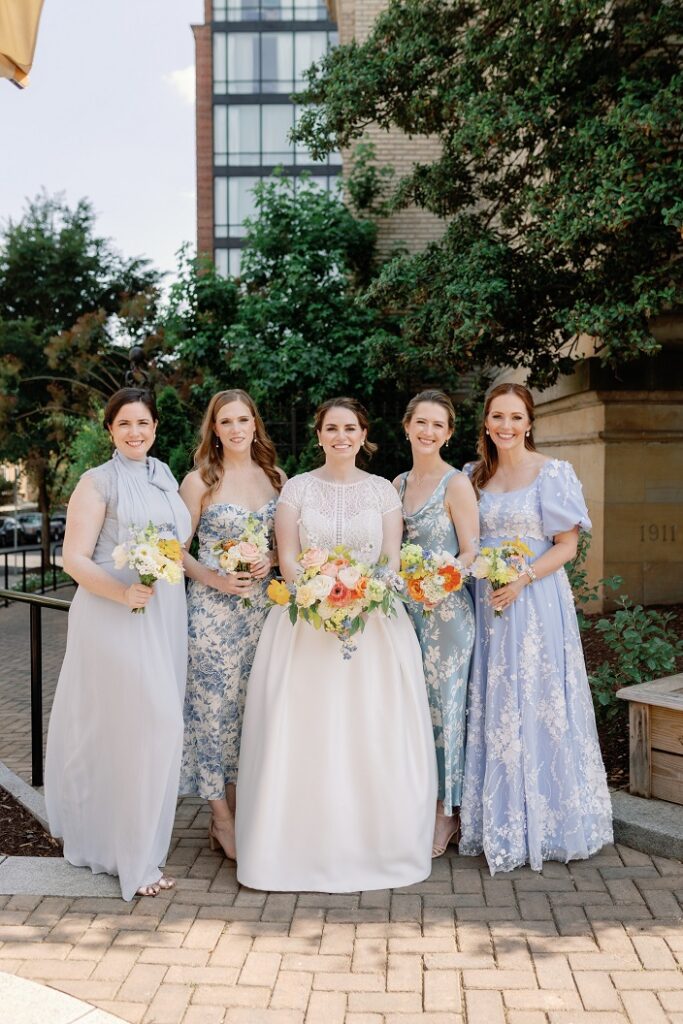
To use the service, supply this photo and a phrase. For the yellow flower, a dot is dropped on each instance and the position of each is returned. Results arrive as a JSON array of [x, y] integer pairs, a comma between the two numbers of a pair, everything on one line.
[[278, 592], [171, 549], [522, 548]]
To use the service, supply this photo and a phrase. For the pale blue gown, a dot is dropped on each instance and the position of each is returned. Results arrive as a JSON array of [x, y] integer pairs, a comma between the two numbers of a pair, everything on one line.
[[446, 637], [223, 633], [535, 786]]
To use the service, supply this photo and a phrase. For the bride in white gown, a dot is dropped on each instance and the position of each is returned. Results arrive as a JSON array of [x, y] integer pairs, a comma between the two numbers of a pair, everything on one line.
[[337, 775]]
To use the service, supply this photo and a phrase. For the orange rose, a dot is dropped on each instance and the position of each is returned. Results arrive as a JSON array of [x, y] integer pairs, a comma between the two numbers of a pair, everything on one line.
[[452, 578], [415, 590], [360, 588]]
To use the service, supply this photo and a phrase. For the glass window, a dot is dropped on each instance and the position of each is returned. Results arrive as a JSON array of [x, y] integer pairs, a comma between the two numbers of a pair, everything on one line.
[[244, 66], [240, 203], [243, 134], [220, 259], [276, 124], [220, 62], [234, 261], [308, 48], [269, 10], [220, 207], [220, 135], [277, 50]]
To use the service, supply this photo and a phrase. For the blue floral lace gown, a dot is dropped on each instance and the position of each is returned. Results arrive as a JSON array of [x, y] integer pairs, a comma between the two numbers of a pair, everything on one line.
[[446, 637], [535, 786], [223, 634]]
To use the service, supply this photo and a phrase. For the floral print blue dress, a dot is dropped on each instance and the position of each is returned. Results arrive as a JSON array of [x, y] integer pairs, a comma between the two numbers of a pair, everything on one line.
[[446, 637], [535, 786], [223, 633]]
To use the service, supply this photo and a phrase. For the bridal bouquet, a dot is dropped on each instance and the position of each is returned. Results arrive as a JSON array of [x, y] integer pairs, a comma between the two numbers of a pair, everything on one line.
[[502, 564], [430, 575], [153, 557], [335, 592], [237, 554]]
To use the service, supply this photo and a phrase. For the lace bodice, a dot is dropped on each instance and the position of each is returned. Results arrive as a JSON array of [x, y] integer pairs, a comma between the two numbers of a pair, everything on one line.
[[551, 504], [348, 514]]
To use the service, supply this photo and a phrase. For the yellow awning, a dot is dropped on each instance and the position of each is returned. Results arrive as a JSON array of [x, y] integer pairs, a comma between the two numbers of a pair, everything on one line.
[[19, 21]]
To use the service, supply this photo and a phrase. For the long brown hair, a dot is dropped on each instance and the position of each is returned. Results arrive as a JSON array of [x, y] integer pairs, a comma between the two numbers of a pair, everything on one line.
[[208, 458], [351, 405], [437, 398], [488, 453]]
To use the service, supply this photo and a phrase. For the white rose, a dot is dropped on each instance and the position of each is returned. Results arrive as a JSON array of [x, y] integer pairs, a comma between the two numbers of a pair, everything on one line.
[[349, 576], [321, 586], [305, 595]]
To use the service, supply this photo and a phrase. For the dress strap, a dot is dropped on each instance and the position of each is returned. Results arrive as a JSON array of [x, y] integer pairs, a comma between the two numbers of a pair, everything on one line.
[[402, 485]]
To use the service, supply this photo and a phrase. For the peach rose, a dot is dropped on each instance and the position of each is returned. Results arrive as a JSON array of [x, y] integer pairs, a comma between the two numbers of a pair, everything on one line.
[[313, 558]]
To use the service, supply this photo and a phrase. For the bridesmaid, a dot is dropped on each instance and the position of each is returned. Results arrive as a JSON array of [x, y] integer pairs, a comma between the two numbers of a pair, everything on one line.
[[116, 730], [440, 513], [235, 478], [535, 786]]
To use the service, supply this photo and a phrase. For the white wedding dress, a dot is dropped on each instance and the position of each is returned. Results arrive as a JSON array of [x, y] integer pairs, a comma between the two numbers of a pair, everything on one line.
[[337, 782]]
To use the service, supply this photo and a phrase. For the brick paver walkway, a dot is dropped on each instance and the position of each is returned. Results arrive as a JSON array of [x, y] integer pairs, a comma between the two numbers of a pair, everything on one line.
[[595, 942], [599, 942]]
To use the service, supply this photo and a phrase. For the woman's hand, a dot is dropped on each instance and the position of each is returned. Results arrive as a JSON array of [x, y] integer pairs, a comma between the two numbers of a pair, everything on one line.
[[137, 596], [260, 569], [504, 596], [237, 583]]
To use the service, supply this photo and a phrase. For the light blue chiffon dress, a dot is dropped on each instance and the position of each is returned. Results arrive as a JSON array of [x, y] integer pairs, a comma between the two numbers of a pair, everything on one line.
[[446, 637], [535, 786], [223, 634]]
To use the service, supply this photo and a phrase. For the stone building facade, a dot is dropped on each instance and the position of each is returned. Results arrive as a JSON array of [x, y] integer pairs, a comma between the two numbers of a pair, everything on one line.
[[412, 227]]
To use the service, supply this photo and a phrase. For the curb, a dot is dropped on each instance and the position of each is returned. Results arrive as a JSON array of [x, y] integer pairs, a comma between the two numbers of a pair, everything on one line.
[[651, 826]]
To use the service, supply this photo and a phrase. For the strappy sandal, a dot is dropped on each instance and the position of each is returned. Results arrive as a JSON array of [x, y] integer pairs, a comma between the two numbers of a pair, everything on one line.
[[438, 849]]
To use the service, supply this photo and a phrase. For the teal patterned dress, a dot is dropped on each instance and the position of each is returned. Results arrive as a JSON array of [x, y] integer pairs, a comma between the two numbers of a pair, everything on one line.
[[223, 633], [446, 637]]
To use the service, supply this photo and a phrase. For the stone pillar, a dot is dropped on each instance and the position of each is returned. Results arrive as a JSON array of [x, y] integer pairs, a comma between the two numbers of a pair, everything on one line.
[[623, 433]]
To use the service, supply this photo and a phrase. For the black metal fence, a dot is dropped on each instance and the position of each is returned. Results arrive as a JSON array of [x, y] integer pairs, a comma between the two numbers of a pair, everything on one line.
[[36, 603], [13, 563]]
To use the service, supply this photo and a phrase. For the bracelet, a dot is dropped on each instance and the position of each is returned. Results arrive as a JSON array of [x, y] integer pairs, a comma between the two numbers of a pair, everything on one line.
[[529, 571]]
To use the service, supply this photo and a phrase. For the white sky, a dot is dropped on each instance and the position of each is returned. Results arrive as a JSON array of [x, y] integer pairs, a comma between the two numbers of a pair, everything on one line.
[[109, 115]]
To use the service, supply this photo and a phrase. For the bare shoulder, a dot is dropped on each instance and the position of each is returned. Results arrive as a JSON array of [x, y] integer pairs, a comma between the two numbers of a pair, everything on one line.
[[459, 484], [283, 476], [193, 485], [398, 480]]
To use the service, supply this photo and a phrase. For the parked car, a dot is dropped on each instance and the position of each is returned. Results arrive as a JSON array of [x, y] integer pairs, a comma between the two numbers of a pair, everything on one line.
[[57, 525], [7, 527], [30, 525]]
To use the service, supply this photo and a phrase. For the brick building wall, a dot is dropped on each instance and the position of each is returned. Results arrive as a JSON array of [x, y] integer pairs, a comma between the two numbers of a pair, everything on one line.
[[204, 131], [411, 227]]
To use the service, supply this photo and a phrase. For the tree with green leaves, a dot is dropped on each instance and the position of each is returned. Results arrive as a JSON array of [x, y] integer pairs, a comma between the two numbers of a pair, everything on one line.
[[69, 308], [560, 177], [293, 329]]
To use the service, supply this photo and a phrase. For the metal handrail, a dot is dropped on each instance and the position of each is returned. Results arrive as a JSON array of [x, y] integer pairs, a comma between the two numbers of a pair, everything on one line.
[[43, 570], [36, 602]]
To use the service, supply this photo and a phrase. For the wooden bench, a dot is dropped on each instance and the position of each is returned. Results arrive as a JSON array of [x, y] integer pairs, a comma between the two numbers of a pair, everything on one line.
[[656, 738]]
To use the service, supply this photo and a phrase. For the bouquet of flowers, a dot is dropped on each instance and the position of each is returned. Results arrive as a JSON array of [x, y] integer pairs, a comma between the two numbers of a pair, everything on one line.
[[153, 557], [502, 564], [430, 575], [335, 592], [237, 554]]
